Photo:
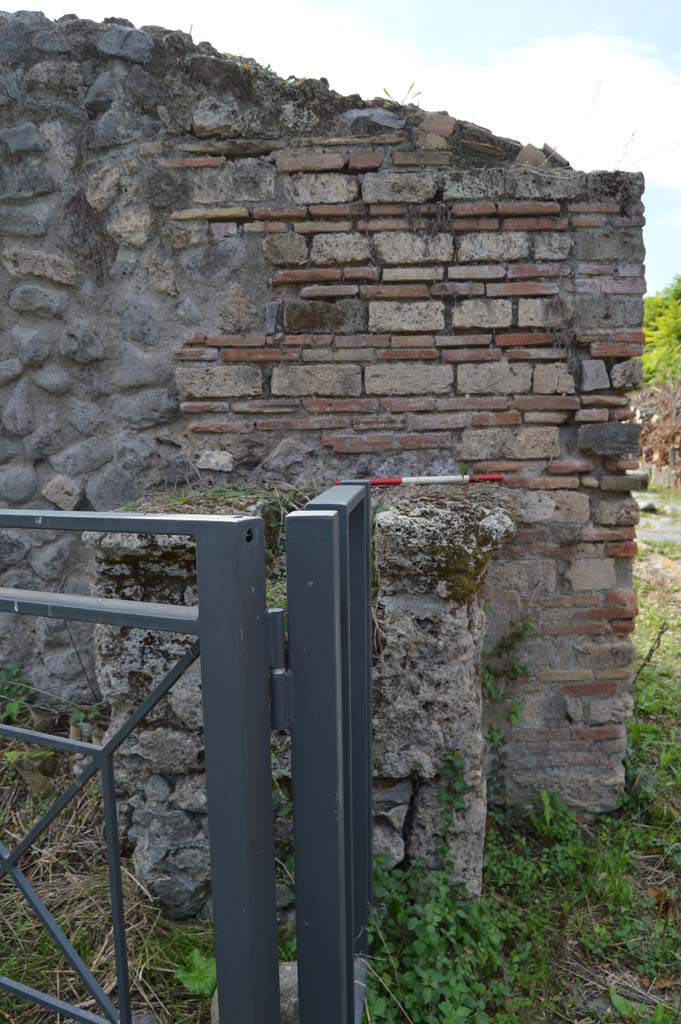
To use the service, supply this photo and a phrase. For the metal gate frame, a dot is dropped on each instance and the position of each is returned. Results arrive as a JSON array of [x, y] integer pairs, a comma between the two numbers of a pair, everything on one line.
[[323, 697]]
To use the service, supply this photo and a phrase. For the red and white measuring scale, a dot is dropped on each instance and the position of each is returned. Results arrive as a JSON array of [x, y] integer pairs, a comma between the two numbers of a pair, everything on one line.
[[395, 481]]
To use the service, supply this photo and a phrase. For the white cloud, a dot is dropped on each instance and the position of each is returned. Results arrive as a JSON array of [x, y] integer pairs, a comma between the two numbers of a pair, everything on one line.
[[603, 101]]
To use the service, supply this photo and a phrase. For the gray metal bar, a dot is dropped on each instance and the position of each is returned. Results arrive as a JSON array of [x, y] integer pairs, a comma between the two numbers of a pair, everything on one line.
[[48, 742], [113, 854], [281, 692], [230, 562], [110, 522], [60, 940], [325, 972], [48, 817], [360, 626], [50, 1002], [360, 986], [167, 617]]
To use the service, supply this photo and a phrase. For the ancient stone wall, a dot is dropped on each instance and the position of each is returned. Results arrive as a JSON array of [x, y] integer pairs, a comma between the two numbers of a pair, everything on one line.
[[207, 272], [430, 554]]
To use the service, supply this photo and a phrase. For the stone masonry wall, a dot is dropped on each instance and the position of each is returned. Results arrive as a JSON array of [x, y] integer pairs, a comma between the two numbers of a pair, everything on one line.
[[207, 272], [430, 554]]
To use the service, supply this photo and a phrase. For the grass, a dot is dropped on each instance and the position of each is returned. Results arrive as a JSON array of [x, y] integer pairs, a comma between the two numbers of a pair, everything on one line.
[[578, 922]]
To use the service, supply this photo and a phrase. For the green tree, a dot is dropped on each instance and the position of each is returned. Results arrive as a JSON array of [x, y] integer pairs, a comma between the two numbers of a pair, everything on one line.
[[662, 328]]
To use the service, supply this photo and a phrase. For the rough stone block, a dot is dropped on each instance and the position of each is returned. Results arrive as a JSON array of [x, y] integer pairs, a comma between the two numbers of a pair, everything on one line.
[[316, 380], [594, 375], [483, 313], [285, 250], [494, 379], [628, 375], [591, 574], [497, 442], [340, 248], [399, 187], [240, 182], [474, 184], [552, 245], [218, 381], [553, 379], [609, 438], [394, 247], [525, 575], [42, 302], [540, 312], [348, 316], [609, 244], [321, 188], [408, 379], [512, 245], [406, 316]]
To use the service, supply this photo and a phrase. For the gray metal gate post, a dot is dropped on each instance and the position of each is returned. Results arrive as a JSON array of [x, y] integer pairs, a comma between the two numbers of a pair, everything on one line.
[[328, 583], [230, 620]]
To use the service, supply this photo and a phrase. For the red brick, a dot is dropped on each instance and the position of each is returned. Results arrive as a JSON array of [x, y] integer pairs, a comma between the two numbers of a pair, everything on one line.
[[574, 630], [386, 210], [535, 224], [614, 350], [620, 465], [223, 427], [378, 422], [289, 162], [524, 288], [307, 340], [238, 341], [567, 600], [190, 408], [195, 354], [304, 423], [627, 549], [337, 210], [195, 161], [358, 443], [440, 421], [593, 533], [524, 270], [305, 276], [361, 274], [535, 354], [489, 272], [589, 689], [279, 213], [422, 158], [591, 416], [606, 207], [340, 404], [410, 442], [605, 401], [570, 466], [383, 224], [599, 732], [475, 224], [399, 354], [476, 404], [278, 405], [525, 208], [605, 614], [623, 626], [462, 340], [546, 402], [408, 404], [329, 291], [471, 355], [258, 355], [458, 288], [482, 209], [395, 291], [588, 221], [362, 340], [412, 341], [369, 160], [502, 466], [496, 419], [316, 227], [524, 340]]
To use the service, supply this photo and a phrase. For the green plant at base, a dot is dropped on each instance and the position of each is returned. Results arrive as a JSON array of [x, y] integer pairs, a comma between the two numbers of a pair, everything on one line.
[[199, 975], [15, 692]]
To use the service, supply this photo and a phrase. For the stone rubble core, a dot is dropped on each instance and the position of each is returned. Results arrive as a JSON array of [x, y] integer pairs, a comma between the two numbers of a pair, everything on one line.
[[211, 274], [431, 551]]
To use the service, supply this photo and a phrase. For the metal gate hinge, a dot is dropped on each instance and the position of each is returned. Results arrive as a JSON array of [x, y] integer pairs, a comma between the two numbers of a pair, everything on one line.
[[281, 679]]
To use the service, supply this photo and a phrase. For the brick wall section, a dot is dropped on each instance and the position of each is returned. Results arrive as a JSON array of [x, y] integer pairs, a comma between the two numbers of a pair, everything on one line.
[[482, 317], [208, 273]]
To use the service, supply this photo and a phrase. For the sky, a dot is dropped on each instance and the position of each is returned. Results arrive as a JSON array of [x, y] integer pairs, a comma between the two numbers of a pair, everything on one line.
[[598, 79]]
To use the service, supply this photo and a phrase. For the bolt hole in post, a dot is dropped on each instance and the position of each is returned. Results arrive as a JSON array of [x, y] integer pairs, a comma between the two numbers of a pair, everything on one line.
[[249, 536]]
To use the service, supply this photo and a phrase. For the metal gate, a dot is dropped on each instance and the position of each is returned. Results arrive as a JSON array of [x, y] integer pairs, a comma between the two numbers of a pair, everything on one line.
[[322, 696]]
